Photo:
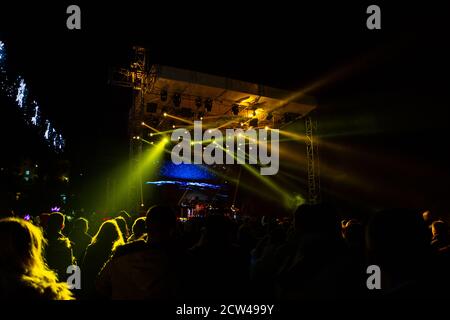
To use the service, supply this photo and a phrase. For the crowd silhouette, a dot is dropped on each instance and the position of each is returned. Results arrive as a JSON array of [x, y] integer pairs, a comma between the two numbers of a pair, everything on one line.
[[313, 255]]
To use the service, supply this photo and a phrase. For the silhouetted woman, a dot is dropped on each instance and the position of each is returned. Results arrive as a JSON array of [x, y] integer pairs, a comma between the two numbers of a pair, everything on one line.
[[23, 272], [58, 253], [103, 244]]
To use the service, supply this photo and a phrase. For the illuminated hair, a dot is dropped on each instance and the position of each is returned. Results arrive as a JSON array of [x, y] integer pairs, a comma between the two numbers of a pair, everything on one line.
[[81, 224], [108, 234], [139, 226], [123, 226], [21, 252]]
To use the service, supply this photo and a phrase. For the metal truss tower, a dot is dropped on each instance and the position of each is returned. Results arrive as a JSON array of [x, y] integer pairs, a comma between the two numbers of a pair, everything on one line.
[[141, 79], [312, 156]]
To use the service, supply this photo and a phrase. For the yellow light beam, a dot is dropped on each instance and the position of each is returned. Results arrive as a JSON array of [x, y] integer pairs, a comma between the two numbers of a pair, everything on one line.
[[333, 76], [146, 125], [263, 179], [179, 119]]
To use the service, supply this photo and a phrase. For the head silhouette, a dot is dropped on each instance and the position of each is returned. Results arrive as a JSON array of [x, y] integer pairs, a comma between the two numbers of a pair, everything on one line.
[[397, 237], [108, 235], [139, 227], [439, 229], [81, 224], [21, 254], [316, 219], [55, 223], [218, 230], [161, 223]]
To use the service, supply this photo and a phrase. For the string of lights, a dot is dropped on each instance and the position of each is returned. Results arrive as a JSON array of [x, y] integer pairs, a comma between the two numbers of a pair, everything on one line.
[[17, 91]]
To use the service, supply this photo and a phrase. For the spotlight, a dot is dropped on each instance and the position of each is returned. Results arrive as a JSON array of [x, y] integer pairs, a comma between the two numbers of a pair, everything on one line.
[[176, 99], [165, 140], [235, 109], [173, 126], [163, 95], [242, 124], [165, 114], [208, 104], [201, 118], [143, 123], [266, 127], [198, 102], [151, 134]]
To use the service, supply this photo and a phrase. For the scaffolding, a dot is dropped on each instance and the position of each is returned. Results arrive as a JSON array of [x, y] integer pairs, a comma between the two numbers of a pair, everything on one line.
[[312, 155], [137, 77]]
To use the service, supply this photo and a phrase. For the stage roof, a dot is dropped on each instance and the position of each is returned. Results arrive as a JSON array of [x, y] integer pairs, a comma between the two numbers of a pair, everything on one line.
[[232, 103]]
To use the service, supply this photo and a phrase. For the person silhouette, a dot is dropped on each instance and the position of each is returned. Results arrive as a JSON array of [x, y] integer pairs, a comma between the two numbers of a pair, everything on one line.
[[24, 275]]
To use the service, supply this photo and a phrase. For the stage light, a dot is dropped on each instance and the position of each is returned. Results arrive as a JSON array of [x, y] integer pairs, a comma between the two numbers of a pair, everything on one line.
[[151, 134], [173, 126], [266, 127], [235, 109], [165, 140], [138, 137], [143, 123], [242, 124], [163, 95], [176, 99], [201, 118], [208, 104], [165, 114]]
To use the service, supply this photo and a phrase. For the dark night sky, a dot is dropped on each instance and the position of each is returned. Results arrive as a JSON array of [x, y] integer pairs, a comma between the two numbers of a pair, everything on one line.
[[402, 87]]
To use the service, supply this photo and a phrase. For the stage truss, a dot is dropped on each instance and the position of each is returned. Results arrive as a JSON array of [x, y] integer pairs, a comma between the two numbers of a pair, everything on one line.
[[148, 80]]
